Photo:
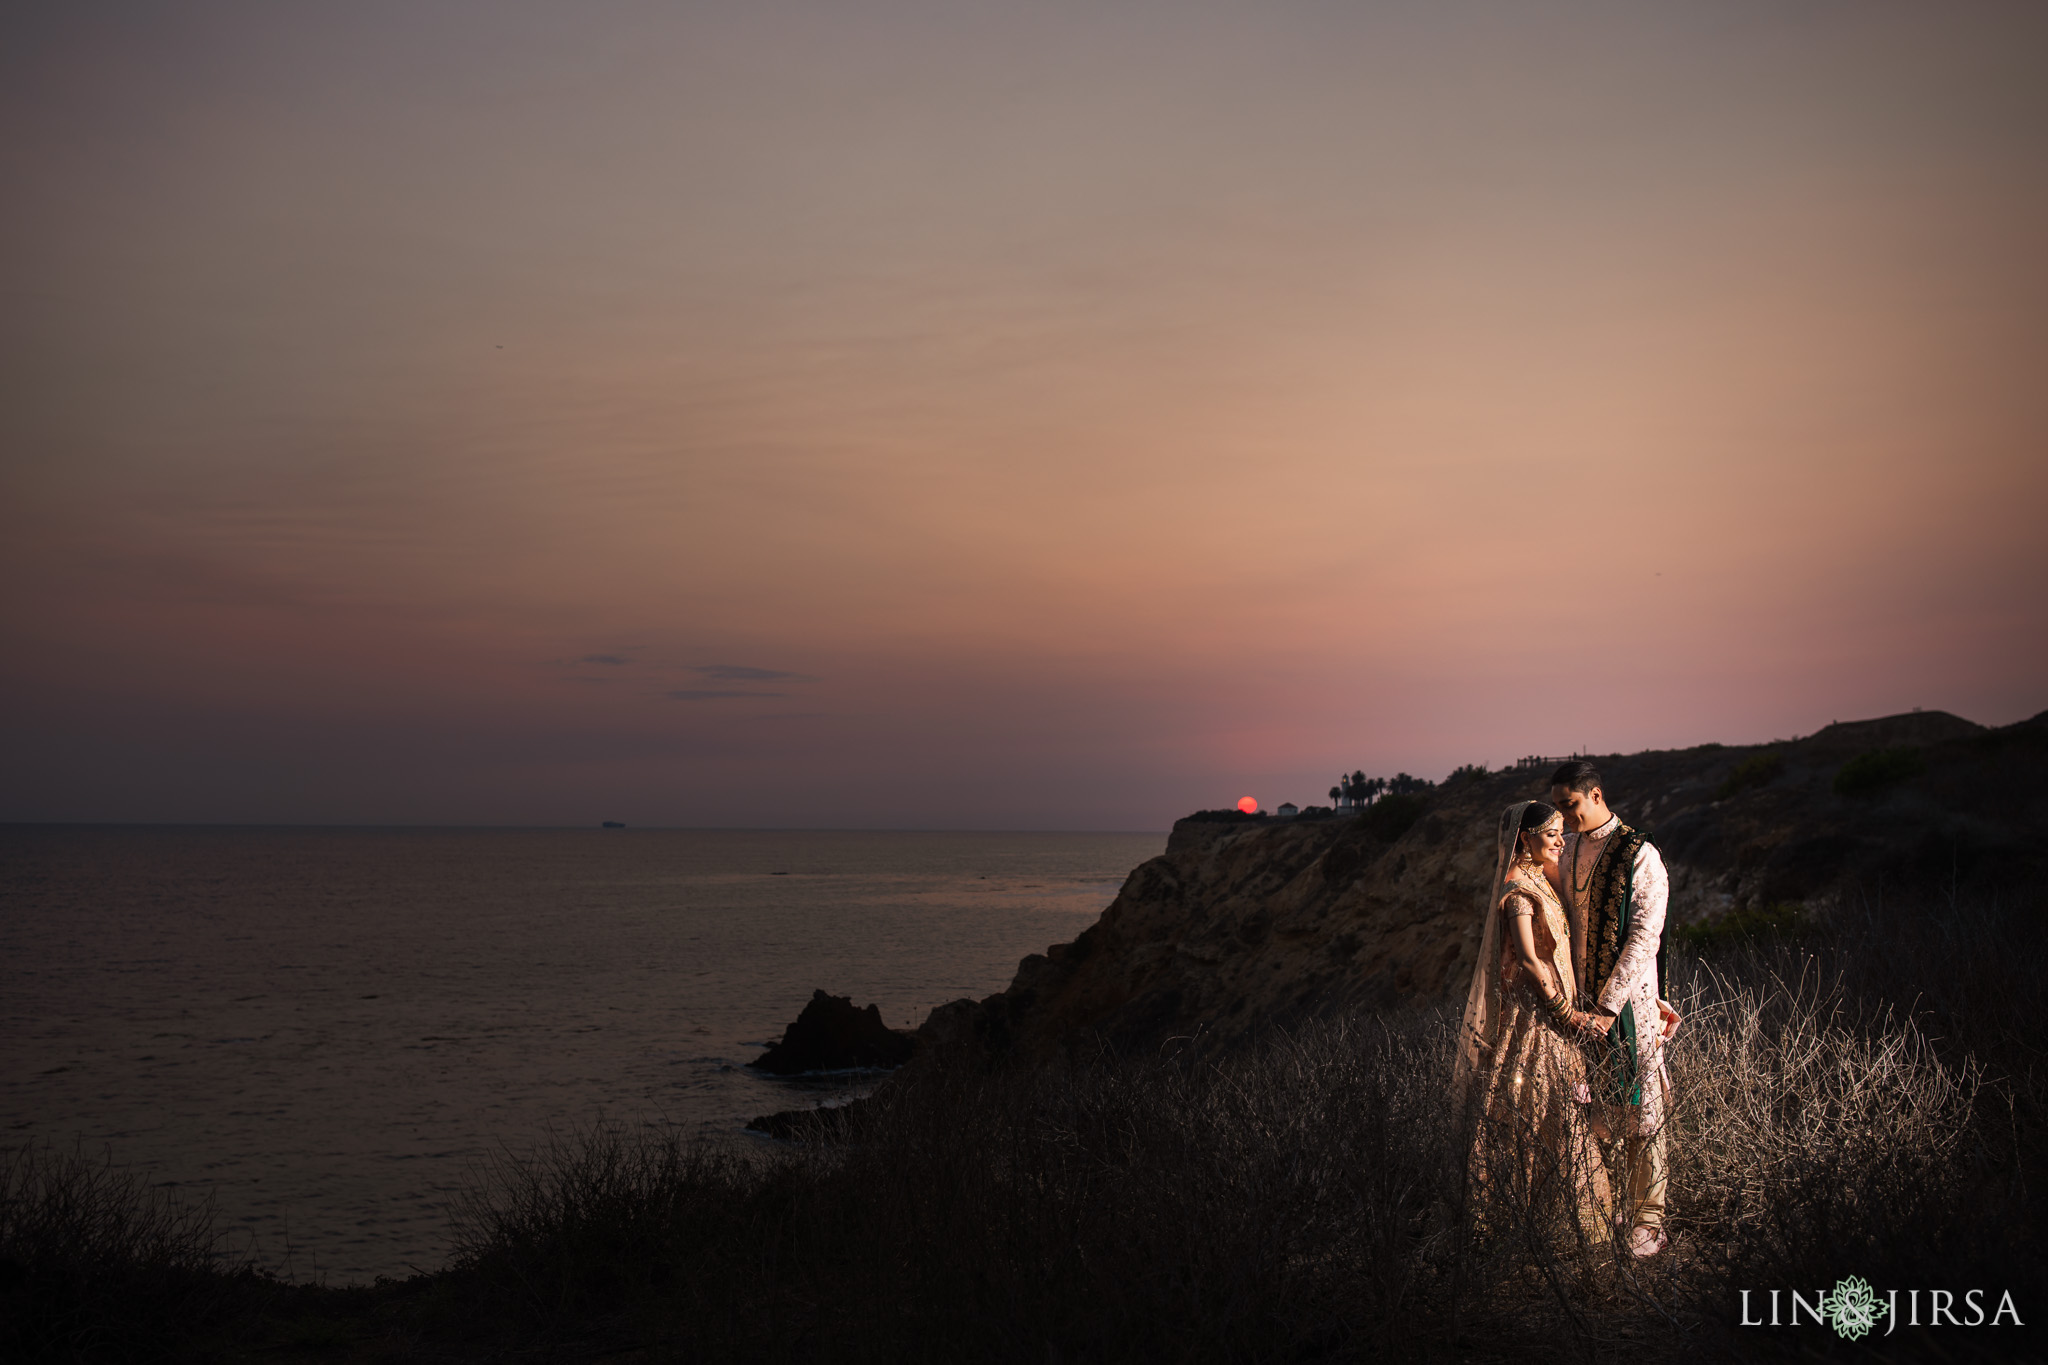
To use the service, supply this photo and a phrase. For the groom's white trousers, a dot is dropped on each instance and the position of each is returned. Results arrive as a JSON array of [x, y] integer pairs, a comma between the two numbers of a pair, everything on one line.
[[1646, 1178]]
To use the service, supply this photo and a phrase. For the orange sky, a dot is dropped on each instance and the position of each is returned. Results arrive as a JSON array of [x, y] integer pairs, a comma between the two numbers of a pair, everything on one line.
[[999, 416]]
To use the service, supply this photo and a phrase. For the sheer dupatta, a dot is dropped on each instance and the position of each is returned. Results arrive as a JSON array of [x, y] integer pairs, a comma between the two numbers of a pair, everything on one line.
[[1479, 1034]]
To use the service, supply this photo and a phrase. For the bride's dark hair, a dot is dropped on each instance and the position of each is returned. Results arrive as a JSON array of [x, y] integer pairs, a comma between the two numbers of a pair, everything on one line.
[[1537, 815]]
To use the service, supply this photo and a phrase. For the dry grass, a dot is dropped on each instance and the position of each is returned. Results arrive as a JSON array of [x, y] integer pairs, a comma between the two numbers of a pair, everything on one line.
[[1305, 1198], [95, 1264], [1860, 1099], [1268, 1208]]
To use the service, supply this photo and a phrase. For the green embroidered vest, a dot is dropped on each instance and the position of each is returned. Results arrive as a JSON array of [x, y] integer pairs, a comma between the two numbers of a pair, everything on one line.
[[1609, 903]]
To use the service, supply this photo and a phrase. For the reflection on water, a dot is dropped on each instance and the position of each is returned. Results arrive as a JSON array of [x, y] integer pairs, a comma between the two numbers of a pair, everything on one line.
[[325, 1028]]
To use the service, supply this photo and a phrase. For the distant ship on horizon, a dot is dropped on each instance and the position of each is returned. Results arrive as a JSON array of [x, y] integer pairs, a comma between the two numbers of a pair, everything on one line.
[[615, 824]]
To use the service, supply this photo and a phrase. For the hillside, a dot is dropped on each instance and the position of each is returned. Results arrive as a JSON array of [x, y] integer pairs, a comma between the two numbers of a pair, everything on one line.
[[1263, 922]]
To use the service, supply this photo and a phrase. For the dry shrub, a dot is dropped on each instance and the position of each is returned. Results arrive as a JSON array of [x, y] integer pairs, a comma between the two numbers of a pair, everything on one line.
[[1854, 1100], [1863, 1099], [607, 1218], [1304, 1198], [1269, 1206], [1804, 1132], [96, 1264]]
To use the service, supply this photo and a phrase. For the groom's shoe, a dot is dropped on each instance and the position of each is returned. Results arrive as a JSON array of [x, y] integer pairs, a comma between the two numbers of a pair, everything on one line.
[[1646, 1241]]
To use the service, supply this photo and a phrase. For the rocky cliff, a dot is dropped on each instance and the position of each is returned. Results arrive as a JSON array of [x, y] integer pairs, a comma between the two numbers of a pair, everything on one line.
[[1259, 922]]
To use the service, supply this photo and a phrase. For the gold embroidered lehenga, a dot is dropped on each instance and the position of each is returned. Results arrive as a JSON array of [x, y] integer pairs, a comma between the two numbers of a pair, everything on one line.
[[1521, 1078]]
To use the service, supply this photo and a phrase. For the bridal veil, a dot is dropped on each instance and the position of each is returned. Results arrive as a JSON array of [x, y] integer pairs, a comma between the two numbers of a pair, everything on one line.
[[1480, 1033]]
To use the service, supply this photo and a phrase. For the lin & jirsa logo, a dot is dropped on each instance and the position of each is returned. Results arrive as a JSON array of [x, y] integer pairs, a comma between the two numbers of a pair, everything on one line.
[[1853, 1309]]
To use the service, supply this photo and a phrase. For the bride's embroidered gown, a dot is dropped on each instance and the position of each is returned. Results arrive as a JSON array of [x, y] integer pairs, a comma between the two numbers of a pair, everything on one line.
[[1535, 1126]]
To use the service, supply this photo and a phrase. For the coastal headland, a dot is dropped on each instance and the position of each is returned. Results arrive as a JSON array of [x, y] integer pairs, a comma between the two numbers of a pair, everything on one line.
[[1246, 924]]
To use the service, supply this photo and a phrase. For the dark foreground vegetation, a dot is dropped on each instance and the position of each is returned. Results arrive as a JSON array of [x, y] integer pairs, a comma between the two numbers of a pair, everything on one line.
[[1862, 1097]]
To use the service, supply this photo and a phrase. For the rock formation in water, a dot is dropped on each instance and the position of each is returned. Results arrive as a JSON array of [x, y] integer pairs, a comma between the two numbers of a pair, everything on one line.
[[1257, 923], [832, 1035]]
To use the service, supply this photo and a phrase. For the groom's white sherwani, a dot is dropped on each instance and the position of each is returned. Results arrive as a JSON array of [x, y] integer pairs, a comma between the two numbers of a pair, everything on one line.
[[1634, 978], [1631, 984]]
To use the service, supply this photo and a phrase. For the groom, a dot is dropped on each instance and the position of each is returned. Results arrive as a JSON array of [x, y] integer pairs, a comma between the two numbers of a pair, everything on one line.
[[1615, 892]]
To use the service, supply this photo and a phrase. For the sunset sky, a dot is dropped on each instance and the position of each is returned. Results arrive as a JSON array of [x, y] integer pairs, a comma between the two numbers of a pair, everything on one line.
[[986, 415]]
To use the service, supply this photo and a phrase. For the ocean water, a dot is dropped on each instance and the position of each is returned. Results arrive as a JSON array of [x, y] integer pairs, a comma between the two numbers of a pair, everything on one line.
[[324, 1030]]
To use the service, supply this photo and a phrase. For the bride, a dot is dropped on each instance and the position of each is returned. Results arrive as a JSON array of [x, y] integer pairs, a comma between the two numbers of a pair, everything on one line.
[[1519, 1070]]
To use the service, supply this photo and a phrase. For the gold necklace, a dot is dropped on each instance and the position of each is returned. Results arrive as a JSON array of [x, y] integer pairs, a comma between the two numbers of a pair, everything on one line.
[[1529, 876], [1579, 891]]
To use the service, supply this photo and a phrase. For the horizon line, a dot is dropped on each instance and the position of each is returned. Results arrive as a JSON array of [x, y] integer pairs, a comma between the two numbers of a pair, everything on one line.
[[599, 827]]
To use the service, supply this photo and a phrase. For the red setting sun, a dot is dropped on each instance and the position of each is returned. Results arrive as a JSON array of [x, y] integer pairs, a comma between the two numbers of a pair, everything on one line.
[[1249, 805]]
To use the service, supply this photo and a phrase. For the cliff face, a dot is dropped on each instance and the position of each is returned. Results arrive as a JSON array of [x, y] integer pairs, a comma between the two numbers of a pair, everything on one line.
[[1265, 922]]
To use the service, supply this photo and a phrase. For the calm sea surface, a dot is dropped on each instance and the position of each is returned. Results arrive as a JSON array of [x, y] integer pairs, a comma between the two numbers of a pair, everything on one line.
[[325, 1029]]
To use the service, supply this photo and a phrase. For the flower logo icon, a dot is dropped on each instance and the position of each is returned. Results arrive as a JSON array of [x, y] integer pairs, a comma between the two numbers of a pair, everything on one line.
[[1852, 1308]]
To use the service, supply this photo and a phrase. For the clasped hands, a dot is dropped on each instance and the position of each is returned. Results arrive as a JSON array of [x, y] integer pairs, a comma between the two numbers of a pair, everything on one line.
[[1597, 1025]]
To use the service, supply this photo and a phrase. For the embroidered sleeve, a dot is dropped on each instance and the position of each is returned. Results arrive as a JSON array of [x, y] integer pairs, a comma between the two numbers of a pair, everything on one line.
[[1518, 903], [1638, 957]]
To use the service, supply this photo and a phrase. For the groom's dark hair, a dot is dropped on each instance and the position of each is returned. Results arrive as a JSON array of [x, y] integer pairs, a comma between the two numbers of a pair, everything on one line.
[[1577, 776]]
